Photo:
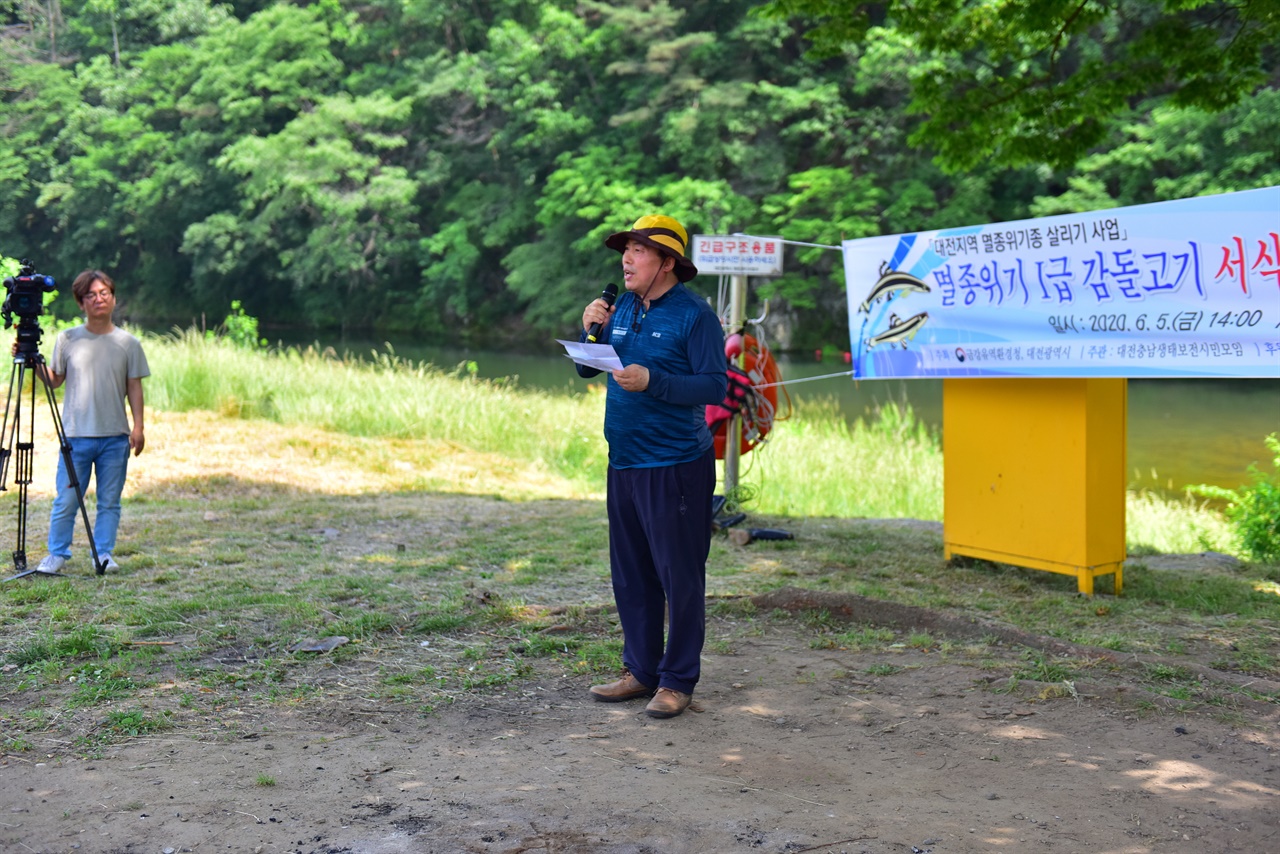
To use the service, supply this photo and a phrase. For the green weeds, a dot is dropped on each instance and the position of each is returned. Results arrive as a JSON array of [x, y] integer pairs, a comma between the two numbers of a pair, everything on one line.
[[48, 646], [1254, 510], [17, 744], [135, 722], [1037, 668], [867, 637]]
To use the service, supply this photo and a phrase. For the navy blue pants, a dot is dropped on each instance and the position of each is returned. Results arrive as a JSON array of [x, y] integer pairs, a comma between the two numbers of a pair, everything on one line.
[[659, 538]]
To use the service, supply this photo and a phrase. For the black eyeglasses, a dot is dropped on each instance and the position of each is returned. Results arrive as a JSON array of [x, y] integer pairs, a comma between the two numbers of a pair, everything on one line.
[[637, 317]]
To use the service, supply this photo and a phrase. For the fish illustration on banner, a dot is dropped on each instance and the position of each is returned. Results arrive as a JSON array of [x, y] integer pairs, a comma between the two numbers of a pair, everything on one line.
[[899, 331], [891, 282], [892, 285]]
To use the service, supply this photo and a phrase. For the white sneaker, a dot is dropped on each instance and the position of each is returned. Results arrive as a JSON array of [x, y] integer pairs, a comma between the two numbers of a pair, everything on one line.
[[108, 563], [51, 564]]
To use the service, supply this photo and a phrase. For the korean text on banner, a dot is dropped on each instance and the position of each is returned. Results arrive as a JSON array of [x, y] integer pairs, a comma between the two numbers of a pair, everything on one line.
[[1187, 288]]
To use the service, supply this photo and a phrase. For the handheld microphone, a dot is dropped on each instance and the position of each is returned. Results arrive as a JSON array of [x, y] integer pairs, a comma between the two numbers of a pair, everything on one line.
[[610, 294]]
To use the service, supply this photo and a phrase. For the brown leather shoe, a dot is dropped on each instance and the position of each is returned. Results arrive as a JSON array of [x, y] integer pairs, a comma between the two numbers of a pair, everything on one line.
[[626, 688], [667, 703]]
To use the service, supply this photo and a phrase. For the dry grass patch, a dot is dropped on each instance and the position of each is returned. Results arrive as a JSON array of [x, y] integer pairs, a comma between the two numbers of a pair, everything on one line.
[[187, 451], [187, 448]]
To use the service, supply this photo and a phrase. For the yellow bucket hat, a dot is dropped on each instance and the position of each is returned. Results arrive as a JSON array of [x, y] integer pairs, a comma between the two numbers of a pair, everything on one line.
[[663, 233]]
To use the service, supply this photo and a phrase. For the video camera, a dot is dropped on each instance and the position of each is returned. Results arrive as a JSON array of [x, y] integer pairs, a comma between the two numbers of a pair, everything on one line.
[[25, 297]]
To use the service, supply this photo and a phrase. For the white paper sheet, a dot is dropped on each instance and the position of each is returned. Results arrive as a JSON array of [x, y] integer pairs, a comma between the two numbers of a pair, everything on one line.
[[599, 356]]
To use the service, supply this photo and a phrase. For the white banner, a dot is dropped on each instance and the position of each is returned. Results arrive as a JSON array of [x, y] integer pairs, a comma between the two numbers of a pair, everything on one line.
[[737, 254], [1188, 288]]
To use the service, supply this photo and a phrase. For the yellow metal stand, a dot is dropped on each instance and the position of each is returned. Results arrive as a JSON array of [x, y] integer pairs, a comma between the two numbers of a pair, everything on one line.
[[1035, 474]]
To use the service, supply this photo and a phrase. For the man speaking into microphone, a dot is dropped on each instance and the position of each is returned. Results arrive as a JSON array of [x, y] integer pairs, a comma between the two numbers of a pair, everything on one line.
[[661, 461]]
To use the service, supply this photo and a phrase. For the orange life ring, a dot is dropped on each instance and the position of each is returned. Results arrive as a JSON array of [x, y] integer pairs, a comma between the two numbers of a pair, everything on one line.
[[761, 405]]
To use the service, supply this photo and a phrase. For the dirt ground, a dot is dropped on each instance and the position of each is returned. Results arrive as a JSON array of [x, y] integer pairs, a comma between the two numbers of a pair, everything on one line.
[[788, 749]]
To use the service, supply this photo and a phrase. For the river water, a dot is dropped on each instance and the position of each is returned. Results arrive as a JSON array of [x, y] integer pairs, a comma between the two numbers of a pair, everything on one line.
[[1180, 432]]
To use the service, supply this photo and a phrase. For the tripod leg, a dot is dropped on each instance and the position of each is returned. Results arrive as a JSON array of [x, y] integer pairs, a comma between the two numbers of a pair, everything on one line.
[[24, 465], [9, 433]]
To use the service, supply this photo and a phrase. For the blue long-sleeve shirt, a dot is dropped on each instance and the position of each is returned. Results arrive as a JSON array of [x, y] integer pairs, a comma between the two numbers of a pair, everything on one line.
[[680, 341]]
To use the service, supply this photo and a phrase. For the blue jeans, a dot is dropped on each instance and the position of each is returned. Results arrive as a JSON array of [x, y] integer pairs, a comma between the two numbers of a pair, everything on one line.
[[107, 458]]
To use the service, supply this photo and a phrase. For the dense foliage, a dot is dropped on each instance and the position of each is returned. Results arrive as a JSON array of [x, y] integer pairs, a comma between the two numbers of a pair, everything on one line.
[[449, 169], [1038, 82], [1254, 510]]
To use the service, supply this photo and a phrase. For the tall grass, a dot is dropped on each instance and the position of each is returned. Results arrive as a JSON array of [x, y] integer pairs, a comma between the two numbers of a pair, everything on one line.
[[818, 464], [382, 396], [815, 464], [1161, 525]]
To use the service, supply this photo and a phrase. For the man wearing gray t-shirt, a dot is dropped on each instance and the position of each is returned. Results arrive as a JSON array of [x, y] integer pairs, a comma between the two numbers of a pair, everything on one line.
[[102, 366]]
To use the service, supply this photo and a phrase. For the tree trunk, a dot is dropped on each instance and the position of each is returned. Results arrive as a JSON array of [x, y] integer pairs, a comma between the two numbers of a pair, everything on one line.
[[55, 13]]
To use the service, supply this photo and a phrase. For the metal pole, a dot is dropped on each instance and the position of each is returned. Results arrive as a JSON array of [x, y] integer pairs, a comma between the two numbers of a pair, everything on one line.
[[733, 436]]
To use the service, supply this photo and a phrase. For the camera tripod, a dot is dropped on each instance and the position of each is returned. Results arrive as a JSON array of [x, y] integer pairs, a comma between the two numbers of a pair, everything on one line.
[[14, 447]]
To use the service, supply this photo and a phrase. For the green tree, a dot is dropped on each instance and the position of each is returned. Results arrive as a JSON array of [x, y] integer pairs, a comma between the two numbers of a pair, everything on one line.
[[321, 198], [121, 29], [447, 167], [38, 101], [1038, 82], [135, 161], [1174, 154], [589, 197], [494, 122]]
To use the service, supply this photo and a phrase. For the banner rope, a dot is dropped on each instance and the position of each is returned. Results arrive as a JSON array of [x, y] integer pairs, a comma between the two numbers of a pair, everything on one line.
[[848, 373]]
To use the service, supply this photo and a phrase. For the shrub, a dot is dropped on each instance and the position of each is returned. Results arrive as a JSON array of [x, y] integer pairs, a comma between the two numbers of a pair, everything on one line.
[[240, 328], [1254, 510]]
